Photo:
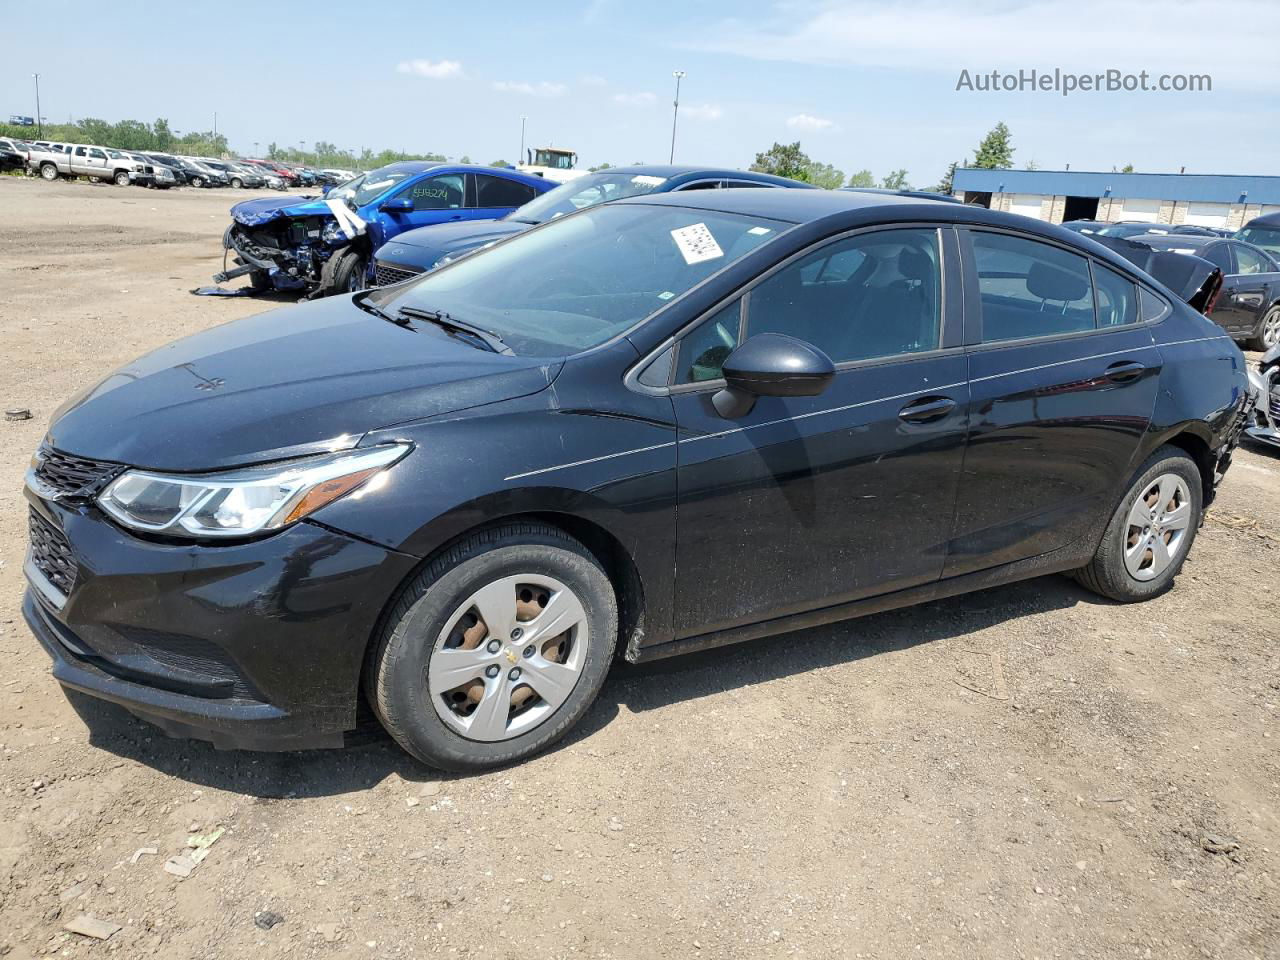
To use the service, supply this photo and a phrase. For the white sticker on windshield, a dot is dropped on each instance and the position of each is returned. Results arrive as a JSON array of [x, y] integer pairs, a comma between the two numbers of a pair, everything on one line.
[[646, 181], [696, 243], [379, 185], [759, 231], [665, 295]]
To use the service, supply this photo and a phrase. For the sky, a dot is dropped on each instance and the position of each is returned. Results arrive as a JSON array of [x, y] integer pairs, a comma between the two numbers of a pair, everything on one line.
[[860, 83]]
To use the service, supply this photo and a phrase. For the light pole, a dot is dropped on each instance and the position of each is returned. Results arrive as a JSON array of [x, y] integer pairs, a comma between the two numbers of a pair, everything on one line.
[[675, 113], [520, 155], [39, 119], [255, 148]]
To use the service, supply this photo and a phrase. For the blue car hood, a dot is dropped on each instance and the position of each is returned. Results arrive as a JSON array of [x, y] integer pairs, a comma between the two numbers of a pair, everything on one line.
[[250, 213], [424, 246]]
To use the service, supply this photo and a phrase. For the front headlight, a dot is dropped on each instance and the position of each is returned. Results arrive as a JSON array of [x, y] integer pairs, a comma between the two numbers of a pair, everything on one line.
[[242, 502], [332, 233]]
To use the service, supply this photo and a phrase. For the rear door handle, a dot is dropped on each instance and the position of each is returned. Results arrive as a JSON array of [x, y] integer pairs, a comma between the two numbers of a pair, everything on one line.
[[1126, 371], [926, 409]]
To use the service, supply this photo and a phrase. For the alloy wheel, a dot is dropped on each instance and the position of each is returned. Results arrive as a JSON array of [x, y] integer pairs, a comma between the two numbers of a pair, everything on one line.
[[508, 657], [1156, 533], [1271, 328]]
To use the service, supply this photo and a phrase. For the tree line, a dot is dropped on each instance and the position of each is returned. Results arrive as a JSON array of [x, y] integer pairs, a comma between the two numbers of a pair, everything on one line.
[[995, 151]]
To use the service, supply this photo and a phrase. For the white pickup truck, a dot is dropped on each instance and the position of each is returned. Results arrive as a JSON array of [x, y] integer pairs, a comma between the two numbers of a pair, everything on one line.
[[84, 160]]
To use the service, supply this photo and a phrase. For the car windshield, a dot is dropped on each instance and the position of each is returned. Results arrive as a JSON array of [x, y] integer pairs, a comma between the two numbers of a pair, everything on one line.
[[1125, 230], [1268, 238], [369, 186], [585, 192], [575, 283]]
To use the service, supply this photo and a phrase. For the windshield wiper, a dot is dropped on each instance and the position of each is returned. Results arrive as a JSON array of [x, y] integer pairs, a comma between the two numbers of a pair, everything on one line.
[[363, 303], [442, 319]]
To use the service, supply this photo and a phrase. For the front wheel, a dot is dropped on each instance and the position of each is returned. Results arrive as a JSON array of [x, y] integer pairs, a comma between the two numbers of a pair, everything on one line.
[[495, 650], [1268, 334], [121, 178], [237, 182], [1151, 532], [343, 272], [197, 181]]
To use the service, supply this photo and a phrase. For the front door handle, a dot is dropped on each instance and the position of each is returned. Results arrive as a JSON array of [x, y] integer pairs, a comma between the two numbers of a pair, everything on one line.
[[926, 409], [1126, 371]]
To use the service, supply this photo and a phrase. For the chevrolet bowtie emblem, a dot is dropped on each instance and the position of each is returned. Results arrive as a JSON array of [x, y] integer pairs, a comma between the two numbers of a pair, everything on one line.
[[511, 656]]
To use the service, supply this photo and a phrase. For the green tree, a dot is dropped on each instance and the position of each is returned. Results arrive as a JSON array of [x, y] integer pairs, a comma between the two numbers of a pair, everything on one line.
[[863, 178], [603, 166], [499, 163], [783, 160], [465, 159], [1127, 168], [995, 152], [824, 175], [162, 134], [273, 151], [896, 181], [947, 183]]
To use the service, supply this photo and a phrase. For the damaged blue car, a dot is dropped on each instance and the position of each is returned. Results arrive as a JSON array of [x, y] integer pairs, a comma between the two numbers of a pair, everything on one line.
[[323, 245]]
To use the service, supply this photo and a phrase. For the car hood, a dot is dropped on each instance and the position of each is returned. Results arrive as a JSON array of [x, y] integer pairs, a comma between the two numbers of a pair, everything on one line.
[[251, 213], [286, 383], [446, 238]]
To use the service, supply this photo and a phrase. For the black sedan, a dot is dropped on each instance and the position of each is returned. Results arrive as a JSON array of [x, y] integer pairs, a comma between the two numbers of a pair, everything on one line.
[[419, 250], [654, 426], [1248, 307]]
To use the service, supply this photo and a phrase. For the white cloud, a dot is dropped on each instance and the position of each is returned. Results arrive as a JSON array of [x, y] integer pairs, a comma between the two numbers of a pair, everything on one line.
[[805, 121], [644, 99], [429, 68], [542, 88], [701, 111], [1082, 36]]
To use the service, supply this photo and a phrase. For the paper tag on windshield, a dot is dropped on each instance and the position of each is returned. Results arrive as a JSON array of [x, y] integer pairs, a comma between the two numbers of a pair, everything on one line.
[[696, 243], [643, 180]]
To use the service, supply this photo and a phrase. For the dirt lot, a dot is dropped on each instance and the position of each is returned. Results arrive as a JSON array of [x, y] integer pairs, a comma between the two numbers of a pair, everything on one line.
[[862, 790]]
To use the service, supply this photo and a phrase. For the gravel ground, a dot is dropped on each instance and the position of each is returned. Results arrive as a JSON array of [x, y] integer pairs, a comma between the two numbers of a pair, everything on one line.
[[1023, 772]]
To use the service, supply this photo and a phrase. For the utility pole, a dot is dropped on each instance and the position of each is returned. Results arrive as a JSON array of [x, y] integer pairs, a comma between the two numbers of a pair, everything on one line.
[[39, 119], [520, 155], [675, 113]]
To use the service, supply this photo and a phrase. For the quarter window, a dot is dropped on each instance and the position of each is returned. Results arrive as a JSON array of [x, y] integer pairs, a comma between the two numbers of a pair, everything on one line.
[[1117, 297], [702, 353], [494, 191], [1030, 289], [444, 192], [871, 295], [1154, 306]]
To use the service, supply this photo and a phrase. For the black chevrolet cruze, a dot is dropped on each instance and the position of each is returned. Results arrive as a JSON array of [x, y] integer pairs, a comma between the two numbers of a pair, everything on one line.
[[650, 427]]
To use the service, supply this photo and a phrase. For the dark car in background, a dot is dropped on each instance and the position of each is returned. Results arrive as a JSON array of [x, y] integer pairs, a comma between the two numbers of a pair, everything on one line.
[[419, 250], [1262, 232], [1123, 229], [12, 155], [652, 426], [174, 165], [1248, 307]]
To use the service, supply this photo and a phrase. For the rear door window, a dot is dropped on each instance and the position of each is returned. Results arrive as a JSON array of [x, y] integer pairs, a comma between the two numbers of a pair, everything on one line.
[[1030, 289], [1249, 261], [494, 191]]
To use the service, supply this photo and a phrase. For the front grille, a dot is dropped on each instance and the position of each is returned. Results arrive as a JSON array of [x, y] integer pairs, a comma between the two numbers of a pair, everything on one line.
[[385, 275], [1274, 406], [72, 477], [50, 552]]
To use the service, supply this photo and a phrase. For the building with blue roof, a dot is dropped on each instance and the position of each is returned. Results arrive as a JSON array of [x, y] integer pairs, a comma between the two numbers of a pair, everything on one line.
[[1223, 201]]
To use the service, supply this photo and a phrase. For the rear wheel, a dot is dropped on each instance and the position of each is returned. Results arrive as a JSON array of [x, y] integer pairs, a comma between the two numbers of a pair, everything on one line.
[[1151, 532], [1268, 334], [49, 171], [495, 650]]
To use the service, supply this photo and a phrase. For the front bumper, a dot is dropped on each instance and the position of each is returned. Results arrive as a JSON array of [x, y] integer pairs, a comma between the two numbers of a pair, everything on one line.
[[254, 645]]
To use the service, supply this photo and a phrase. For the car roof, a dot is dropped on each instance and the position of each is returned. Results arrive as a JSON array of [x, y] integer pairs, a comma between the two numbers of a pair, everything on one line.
[[1266, 220], [796, 206], [681, 172], [1195, 240]]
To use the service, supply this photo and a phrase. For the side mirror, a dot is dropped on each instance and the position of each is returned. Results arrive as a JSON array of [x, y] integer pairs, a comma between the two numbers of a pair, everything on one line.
[[397, 205], [771, 365]]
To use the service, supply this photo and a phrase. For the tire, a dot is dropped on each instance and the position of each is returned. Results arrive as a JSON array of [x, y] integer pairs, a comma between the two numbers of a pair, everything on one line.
[[121, 178], [49, 171], [237, 182], [197, 181], [1123, 569], [343, 272], [1268, 334], [399, 677]]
